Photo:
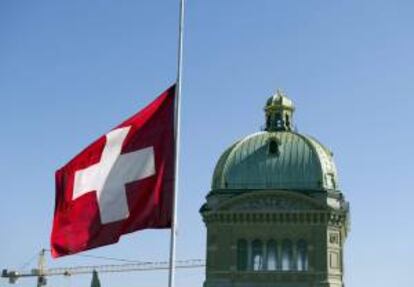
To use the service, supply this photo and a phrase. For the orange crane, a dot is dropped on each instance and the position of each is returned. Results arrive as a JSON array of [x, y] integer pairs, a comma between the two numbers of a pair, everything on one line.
[[41, 272]]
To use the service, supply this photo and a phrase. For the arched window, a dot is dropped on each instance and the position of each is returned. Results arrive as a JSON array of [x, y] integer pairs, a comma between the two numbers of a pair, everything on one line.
[[302, 260], [287, 254], [278, 120], [257, 255], [274, 147], [287, 120], [268, 122], [272, 256], [242, 255]]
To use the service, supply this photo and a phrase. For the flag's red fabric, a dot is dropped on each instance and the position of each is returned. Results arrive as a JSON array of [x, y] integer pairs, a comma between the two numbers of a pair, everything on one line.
[[121, 183]]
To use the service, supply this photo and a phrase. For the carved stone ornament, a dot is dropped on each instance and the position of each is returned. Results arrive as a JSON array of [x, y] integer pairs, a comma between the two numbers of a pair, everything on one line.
[[270, 203], [334, 238]]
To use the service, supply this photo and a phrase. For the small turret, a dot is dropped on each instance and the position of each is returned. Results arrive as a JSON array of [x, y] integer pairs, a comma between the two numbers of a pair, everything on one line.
[[279, 112]]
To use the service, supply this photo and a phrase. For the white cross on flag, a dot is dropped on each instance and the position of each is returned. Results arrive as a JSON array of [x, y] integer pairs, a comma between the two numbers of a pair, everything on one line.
[[121, 183]]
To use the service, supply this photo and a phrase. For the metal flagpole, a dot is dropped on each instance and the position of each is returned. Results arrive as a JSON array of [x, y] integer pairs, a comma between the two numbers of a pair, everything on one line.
[[177, 126]]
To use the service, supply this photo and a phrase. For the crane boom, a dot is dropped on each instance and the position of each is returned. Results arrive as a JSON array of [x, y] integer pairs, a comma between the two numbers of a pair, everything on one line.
[[68, 271]]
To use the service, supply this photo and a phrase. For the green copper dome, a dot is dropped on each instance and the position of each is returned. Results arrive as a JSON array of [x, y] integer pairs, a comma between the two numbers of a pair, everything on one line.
[[276, 158]]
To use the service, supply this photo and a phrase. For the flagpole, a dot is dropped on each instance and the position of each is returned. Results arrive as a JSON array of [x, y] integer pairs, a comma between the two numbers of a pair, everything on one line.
[[177, 127]]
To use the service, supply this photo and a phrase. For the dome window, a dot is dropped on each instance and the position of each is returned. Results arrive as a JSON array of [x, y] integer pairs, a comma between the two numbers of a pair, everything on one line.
[[331, 180], [274, 147]]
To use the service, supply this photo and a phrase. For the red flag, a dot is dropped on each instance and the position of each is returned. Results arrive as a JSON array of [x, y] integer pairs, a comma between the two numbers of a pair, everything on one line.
[[121, 183]]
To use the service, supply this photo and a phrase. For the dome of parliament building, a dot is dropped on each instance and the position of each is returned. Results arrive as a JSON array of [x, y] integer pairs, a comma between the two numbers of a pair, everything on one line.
[[275, 215]]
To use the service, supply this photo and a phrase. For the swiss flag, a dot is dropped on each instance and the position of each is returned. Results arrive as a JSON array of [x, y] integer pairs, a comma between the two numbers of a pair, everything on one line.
[[121, 183]]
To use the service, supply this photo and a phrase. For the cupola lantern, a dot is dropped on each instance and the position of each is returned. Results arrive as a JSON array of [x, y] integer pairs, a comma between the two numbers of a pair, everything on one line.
[[279, 111]]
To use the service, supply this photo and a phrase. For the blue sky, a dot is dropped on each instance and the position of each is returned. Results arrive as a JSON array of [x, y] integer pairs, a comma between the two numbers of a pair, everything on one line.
[[72, 70]]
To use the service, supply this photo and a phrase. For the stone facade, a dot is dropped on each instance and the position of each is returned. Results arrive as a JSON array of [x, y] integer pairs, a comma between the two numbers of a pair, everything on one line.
[[277, 216]]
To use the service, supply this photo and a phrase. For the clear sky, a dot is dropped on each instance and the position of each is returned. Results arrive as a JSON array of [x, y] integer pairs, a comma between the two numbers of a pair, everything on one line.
[[72, 70]]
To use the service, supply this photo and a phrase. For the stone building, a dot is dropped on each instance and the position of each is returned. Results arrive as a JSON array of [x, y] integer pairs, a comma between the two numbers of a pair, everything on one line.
[[275, 215]]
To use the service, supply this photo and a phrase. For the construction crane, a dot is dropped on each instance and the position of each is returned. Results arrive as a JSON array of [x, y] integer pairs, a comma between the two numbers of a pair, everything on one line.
[[41, 272]]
